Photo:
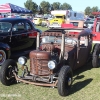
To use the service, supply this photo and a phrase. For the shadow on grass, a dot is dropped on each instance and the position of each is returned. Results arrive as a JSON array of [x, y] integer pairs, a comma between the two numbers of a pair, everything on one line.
[[79, 85]]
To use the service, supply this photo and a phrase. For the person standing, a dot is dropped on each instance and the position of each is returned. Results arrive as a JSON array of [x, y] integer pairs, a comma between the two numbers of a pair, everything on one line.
[[1, 15]]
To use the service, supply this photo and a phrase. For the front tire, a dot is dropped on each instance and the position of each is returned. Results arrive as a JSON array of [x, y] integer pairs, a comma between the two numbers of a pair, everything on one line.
[[95, 56], [7, 76], [64, 80]]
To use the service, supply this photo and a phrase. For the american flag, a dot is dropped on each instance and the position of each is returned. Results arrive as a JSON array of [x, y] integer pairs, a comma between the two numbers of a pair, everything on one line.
[[8, 7], [5, 8]]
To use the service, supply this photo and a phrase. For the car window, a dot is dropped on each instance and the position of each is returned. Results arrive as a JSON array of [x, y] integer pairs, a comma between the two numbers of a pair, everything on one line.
[[18, 27], [5, 27], [59, 16], [89, 22], [35, 19], [28, 26], [75, 23]]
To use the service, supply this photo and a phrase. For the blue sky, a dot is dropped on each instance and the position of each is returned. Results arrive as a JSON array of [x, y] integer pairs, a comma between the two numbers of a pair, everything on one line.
[[77, 5]]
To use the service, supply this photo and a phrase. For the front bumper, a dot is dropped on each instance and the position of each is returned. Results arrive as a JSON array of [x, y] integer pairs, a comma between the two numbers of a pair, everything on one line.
[[54, 25], [19, 79]]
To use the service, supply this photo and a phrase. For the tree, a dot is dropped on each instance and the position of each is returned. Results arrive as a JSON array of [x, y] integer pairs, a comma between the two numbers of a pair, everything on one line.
[[31, 6], [95, 9], [56, 5], [66, 6], [40, 10], [88, 10], [45, 7], [51, 8]]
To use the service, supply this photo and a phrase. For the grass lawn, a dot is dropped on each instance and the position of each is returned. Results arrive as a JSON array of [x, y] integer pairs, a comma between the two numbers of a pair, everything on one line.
[[86, 86], [41, 28]]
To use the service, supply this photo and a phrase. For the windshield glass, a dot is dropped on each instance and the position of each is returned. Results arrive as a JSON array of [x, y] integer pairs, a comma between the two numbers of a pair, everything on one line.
[[53, 39], [88, 22], [5, 27], [59, 16]]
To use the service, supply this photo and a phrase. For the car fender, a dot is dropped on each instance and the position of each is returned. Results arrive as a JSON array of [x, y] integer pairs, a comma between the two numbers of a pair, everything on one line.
[[7, 48]]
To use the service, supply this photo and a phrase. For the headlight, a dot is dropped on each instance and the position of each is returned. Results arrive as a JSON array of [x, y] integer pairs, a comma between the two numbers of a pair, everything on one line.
[[43, 40], [52, 64], [22, 60]]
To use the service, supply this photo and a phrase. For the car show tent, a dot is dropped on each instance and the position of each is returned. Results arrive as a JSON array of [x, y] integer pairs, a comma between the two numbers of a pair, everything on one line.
[[11, 8]]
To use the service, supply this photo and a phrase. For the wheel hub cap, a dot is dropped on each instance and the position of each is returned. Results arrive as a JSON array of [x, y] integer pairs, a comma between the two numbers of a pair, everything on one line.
[[69, 81], [99, 55], [1, 57]]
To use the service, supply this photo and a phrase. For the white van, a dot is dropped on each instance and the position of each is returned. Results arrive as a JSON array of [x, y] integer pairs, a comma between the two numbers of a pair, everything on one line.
[[61, 16]]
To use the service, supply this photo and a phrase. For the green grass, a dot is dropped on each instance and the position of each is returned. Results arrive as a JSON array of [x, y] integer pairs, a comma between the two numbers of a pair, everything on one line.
[[41, 28], [86, 86]]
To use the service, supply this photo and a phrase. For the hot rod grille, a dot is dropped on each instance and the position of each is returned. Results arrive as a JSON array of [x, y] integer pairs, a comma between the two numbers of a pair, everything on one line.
[[39, 67]]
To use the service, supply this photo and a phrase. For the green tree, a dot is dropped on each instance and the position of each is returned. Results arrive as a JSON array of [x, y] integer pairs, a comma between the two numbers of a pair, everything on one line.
[[66, 6], [40, 10], [45, 7], [29, 4], [56, 5], [51, 8], [95, 9], [88, 10]]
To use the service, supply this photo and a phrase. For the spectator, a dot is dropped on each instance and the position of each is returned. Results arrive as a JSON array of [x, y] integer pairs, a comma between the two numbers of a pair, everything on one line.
[[4, 16], [48, 23], [1, 15]]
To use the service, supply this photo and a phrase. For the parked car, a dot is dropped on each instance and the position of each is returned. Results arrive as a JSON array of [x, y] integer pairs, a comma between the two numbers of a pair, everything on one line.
[[59, 53], [16, 34], [37, 21], [89, 24]]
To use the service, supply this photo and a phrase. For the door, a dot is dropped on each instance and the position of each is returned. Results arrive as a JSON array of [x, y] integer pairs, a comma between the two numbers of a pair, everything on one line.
[[96, 31], [84, 50], [19, 38], [32, 34]]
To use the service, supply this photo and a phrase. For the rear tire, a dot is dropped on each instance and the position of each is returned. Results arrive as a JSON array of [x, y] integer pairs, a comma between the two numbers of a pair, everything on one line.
[[64, 80], [95, 56], [7, 76]]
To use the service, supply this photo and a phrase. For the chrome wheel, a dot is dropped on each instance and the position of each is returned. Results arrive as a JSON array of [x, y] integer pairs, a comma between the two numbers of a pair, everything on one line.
[[69, 81]]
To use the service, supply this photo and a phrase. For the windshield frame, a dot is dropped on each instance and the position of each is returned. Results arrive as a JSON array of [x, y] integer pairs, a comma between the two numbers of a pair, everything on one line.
[[58, 40]]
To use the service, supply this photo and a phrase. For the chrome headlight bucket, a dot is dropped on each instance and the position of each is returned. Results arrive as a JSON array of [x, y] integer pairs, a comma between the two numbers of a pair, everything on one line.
[[52, 64], [22, 60]]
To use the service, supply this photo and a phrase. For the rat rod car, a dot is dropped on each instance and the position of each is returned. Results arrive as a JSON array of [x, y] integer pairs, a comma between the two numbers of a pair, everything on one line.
[[59, 52]]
